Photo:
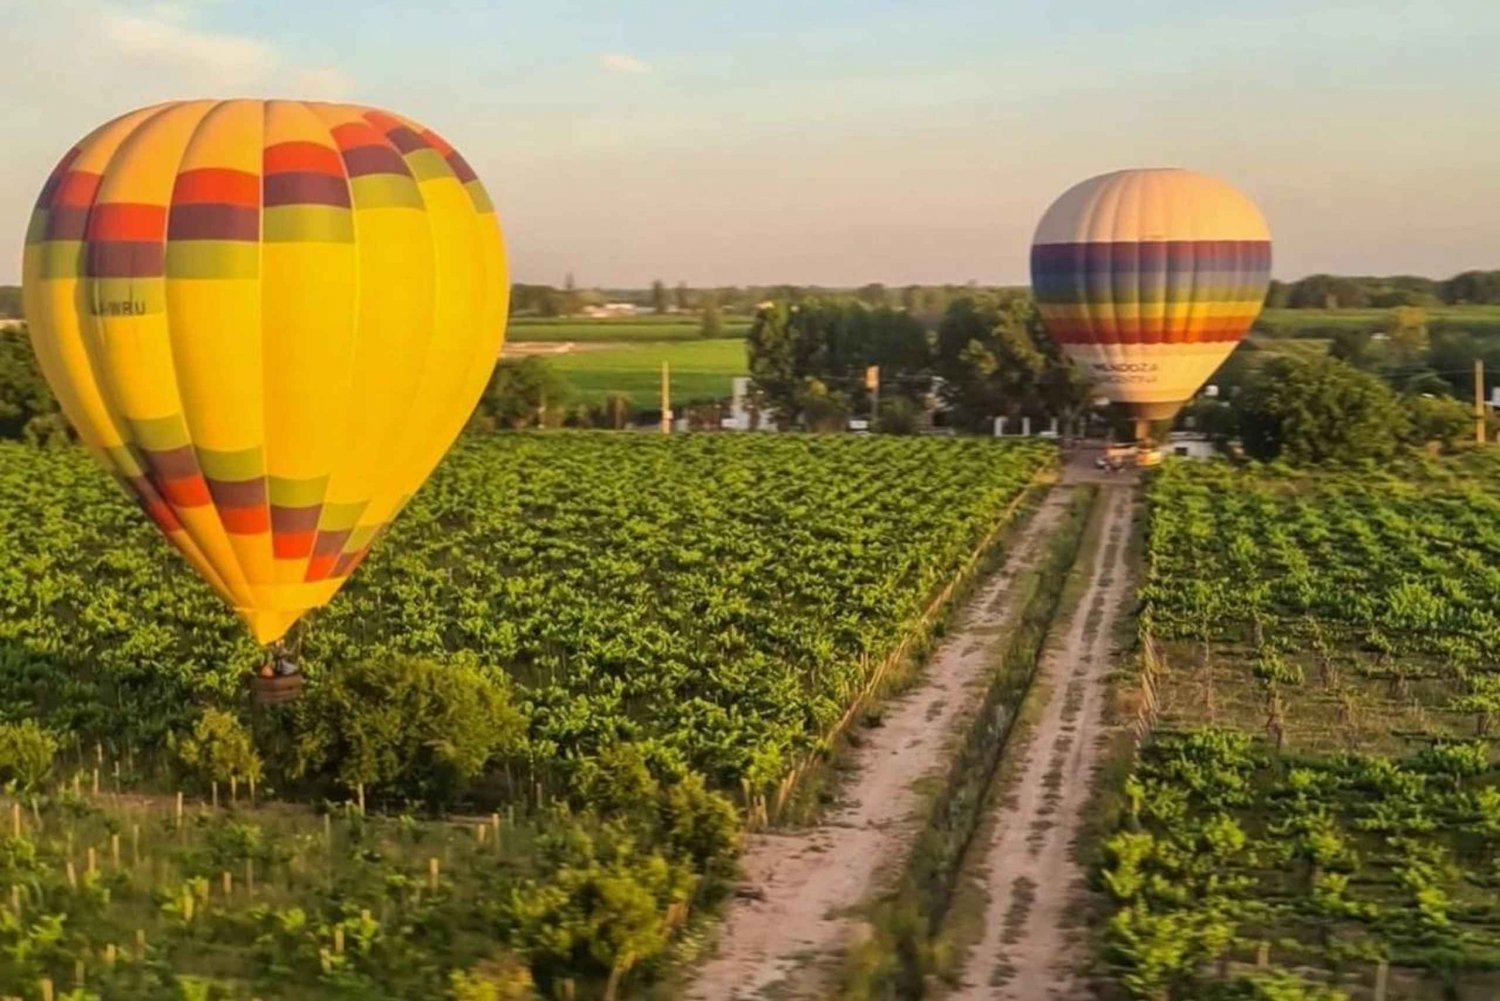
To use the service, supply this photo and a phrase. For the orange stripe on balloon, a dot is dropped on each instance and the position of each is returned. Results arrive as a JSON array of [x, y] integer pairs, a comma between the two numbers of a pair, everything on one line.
[[292, 545], [352, 135], [216, 186], [320, 567], [189, 491], [130, 221], [298, 157], [246, 520], [77, 188]]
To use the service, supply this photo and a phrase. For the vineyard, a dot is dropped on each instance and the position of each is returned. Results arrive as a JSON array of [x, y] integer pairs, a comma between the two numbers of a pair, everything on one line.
[[593, 654], [1316, 816]]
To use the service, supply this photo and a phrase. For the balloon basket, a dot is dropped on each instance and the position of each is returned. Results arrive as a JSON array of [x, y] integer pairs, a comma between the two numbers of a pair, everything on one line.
[[275, 690]]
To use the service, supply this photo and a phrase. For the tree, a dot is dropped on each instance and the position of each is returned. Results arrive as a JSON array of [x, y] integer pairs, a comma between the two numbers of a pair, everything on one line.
[[616, 410], [1353, 346], [711, 322], [526, 393], [220, 749], [658, 296], [1315, 410], [683, 300], [995, 359], [25, 398], [417, 728], [1406, 327], [27, 752], [10, 302], [1440, 419]]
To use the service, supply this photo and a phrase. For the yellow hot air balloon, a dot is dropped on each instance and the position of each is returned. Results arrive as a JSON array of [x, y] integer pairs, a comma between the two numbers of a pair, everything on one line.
[[1148, 279], [269, 319]]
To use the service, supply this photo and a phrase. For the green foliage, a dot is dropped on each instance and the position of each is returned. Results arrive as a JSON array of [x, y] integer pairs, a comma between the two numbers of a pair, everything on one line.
[[1439, 419], [995, 359], [809, 357], [411, 728], [27, 753], [1319, 410], [525, 393], [27, 408], [711, 320], [219, 748]]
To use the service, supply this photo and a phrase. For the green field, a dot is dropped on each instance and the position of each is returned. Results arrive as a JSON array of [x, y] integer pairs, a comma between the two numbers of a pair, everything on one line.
[[617, 645], [699, 370], [625, 328], [1322, 791], [1324, 322]]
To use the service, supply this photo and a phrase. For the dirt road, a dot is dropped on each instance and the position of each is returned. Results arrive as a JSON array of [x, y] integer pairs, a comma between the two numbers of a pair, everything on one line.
[[1028, 951], [779, 944]]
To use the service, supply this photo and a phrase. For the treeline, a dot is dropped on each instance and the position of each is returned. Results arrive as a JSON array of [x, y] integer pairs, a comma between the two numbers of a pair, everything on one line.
[[925, 301], [1470, 288], [988, 357]]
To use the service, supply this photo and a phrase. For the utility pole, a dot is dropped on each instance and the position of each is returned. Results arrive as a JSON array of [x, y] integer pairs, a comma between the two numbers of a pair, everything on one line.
[[666, 400], [1479, 400]]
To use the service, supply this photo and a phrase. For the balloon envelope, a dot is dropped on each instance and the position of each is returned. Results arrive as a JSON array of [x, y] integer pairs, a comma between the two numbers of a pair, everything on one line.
[[269, 319], [1148, 279]]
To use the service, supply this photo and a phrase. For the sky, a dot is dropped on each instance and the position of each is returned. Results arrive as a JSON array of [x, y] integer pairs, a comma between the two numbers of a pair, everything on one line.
[[828, 141]]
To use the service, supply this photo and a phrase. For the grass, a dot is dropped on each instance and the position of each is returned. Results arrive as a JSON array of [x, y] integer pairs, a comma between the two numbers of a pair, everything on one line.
[[1324, 322], [700, 369], [624, 328]]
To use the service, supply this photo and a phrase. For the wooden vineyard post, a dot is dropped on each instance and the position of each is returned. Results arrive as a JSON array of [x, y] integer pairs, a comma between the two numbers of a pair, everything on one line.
[[666, 400], [1479, 400], [250, 876], [432, 873], [179, 809], [1382, 976], [114, 850], [495, 822], [1263, 955], [15, 819]]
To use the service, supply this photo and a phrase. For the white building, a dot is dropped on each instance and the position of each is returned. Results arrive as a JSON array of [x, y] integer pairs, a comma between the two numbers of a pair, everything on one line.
[[739, 418]]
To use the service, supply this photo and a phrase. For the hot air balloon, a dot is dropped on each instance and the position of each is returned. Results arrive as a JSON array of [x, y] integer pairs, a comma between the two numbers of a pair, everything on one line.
[[269, 319], [1148, 279]]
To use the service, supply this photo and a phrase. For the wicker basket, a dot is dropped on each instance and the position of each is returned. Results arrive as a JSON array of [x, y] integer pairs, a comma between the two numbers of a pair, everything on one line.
[[276, 689]]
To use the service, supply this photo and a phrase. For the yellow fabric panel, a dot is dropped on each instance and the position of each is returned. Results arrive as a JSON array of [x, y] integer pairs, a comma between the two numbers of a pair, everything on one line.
[[57, 311], [136, 353], [397, 287]]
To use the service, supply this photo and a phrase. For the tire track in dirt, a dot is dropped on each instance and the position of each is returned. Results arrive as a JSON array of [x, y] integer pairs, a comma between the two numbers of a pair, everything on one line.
[[777, 941], [1028, 951]]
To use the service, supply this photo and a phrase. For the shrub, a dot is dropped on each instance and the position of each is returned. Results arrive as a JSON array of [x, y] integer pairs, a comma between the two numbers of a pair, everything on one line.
[[414, 729], [219, 748], [27, 752]]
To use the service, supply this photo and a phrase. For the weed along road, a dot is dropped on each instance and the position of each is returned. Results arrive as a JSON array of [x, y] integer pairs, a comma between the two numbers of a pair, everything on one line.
[[1033, 946]]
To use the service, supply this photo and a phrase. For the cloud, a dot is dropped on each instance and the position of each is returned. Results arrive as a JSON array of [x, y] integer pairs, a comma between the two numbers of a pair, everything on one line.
[[324, 82], [160, 43], [623, 62]]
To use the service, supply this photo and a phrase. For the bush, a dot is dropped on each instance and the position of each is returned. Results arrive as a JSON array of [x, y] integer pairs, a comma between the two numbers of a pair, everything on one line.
[[413, 729], [1440, 419], [27, 752], [219, 749], [1315, 410]]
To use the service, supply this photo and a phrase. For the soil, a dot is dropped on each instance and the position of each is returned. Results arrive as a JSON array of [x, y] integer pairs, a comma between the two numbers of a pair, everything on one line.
[[1032, 949]]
